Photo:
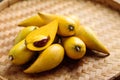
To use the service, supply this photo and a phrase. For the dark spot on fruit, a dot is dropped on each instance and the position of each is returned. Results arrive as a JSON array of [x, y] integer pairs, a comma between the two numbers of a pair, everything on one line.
[[71, 27], [78, 48], [10, 57], [35, 28]]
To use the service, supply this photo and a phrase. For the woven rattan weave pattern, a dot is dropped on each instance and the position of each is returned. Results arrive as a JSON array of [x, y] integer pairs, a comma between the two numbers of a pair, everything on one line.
[[104, 21]]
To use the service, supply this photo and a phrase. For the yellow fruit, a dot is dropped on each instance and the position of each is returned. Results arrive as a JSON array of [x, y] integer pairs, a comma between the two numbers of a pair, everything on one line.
[[74, 47], [24, 32], [67, 26], [19, 54], [90, 39], [43, 37], [75, 18], [47, 60], [32, 21], [46, 17]]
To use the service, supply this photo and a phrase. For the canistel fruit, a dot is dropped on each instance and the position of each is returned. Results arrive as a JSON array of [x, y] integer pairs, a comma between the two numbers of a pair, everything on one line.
[[43, 37], [90, 39], [48, 59], [67, 26], [74, 47], [24, 32], [35, 20], [19, 54]]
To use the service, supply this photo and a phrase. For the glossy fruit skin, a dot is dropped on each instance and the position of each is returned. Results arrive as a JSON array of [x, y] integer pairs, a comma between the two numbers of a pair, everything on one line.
[[48, 30], [74, 47], [75, 18], [46, 17], [50, 58], [19, 54], [23, 33], [90, 39], [34, 20], [67, 26]]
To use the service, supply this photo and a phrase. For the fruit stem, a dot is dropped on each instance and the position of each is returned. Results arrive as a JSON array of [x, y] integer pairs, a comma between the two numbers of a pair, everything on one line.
[[77, 48], [10, 57], [71, 27]]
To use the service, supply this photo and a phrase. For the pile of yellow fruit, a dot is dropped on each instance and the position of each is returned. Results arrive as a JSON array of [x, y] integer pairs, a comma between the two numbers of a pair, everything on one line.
[[51, 36]]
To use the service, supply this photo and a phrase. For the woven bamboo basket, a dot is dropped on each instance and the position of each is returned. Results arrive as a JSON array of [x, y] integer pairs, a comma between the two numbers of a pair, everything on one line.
[[102, 19]]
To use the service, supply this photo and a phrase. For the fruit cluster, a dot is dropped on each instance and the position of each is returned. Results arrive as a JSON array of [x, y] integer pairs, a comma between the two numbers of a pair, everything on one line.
[[51, 36]]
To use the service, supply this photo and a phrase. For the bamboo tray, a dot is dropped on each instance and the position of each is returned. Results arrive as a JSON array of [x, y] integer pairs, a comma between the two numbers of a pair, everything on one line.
[[103, 20]]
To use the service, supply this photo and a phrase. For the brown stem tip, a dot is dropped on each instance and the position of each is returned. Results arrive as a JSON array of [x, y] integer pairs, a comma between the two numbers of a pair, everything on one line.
[[78, 48]]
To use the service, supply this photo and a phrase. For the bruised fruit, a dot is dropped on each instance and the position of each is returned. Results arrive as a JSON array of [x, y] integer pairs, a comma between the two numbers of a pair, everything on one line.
[[43, 37], [50, 58], [19, 54], [23, 33], [74, 47]]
